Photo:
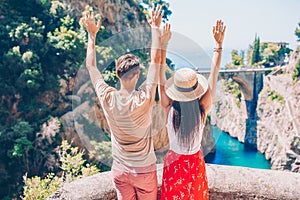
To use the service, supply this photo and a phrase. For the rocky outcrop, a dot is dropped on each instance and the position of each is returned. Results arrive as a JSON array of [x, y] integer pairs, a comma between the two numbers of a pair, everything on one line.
[[278, 130], [227, 115], [225, 182], [278, 117], [208, 142], [86, 125], [116, 15]]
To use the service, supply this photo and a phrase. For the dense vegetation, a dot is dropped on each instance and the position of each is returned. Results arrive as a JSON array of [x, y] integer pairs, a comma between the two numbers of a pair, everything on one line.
[[260, 54], [42, 45], [73, 167], [39, 46]]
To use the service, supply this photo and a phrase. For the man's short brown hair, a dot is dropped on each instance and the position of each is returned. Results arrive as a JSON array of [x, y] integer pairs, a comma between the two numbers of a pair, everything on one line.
[[127, 66]]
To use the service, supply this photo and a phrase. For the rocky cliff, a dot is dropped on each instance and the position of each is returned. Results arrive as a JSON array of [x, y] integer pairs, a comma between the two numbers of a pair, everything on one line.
[[87, 127], [85, 124], [278, 113], [116, 15], [278, 129], [227, 115]]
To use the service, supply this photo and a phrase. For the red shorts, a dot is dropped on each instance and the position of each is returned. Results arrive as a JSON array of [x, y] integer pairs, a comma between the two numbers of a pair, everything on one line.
[[137, 183], [184, 177]]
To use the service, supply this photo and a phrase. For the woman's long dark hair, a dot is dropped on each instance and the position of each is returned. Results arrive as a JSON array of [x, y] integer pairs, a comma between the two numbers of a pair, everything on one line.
[[186, 120]]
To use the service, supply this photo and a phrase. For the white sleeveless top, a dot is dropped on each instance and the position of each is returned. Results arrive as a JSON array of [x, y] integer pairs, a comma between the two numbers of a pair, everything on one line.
[[173, 140]]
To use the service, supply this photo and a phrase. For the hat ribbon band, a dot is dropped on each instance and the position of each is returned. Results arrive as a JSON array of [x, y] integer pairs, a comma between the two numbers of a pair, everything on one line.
[[181, 89]]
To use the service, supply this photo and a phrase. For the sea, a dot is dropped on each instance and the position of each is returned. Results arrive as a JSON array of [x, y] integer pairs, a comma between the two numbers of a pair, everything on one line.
[[229, 151]]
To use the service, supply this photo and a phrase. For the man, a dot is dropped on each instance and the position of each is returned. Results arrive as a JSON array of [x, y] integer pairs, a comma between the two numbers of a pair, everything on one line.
[[128, 112]]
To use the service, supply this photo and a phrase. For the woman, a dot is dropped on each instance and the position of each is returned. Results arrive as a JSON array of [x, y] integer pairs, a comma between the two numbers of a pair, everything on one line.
[[187, 96]]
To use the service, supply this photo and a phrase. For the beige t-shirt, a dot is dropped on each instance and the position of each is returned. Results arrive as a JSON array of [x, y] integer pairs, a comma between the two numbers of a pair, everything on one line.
[[129, 120]]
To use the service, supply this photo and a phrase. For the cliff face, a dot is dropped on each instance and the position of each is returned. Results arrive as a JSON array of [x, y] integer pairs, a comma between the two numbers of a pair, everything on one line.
[[116, 15], [278, 130], [278, 112], [85, 124], [226, 114], [87, 127]]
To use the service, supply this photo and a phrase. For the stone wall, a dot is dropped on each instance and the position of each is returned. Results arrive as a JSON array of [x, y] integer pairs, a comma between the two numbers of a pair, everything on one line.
[[225, 182]]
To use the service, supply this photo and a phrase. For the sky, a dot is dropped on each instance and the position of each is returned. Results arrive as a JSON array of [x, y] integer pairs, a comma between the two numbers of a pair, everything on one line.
[[271, 20]]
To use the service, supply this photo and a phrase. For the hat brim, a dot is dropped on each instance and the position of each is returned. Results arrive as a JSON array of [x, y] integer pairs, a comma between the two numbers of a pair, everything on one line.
[[176, 95]]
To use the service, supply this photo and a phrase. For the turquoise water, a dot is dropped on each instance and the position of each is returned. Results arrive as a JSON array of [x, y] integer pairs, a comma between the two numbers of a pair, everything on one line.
[[229, 151]]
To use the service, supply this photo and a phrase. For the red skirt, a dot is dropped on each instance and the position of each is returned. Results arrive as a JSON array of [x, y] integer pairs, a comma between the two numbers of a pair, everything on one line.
[[184, 177]]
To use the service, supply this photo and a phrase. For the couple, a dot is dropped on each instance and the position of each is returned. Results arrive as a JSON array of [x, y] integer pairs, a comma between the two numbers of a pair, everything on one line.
[[187, 97]]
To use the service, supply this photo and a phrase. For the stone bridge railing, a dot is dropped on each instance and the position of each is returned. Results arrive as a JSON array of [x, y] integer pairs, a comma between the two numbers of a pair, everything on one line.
[[225, 182]]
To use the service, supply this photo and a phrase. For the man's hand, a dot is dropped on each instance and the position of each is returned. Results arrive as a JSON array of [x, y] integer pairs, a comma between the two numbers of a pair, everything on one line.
[[90, 24], [92, 27], [218, 32], [156, 17], [166, 35]]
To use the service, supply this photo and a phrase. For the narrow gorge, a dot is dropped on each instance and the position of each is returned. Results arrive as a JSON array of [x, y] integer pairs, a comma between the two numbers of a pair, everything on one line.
[[278, 117]]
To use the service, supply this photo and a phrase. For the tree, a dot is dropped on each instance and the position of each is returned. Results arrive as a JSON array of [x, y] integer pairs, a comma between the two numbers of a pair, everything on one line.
[[237, 60], [249, 56], [42, 43], [273, 54], [73, 167], [297, 32], [296, 72], [256, 51]]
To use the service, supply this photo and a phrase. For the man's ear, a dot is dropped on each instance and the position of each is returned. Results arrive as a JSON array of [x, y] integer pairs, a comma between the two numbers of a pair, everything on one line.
[[117, 75], [138, 73]]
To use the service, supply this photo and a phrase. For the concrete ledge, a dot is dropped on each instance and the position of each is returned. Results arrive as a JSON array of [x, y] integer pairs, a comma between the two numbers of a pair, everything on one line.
[[225, 182]]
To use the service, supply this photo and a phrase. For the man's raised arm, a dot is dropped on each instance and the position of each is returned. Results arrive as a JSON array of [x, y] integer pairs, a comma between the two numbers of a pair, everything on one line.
[[92, 28], [154, 68]]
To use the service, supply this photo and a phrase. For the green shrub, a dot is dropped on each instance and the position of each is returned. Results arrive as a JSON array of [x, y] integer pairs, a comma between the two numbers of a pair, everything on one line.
[[233, 88], [73, 167], [273, 95], [296, 72], [40, 188]]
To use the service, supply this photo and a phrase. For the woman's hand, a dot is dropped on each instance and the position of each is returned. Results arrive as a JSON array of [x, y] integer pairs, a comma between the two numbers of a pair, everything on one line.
[[218, 32], [90, 24], [166, 35]]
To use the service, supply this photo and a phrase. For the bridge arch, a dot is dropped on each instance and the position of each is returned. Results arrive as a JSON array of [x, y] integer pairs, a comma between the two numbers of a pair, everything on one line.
[[250, 83], [243, 85]]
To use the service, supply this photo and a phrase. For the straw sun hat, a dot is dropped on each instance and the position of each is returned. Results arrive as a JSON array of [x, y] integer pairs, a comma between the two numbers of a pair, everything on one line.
[[186, 85]]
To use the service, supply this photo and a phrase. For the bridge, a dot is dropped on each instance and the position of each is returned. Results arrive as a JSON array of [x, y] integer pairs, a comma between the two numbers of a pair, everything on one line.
[[250, 82]]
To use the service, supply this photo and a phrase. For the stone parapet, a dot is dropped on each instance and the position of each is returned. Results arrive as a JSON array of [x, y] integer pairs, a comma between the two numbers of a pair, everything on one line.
[[225, 182]]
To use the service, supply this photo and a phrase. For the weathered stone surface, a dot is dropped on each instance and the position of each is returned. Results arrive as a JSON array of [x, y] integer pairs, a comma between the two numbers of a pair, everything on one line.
[[278, 129], [228, 182], [159, 130], [225, 182], [278, 118], [94, 187], [208, 142], [227, 116]]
